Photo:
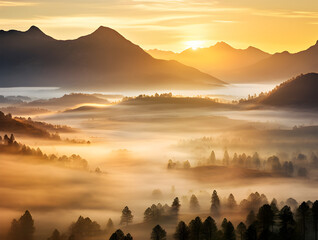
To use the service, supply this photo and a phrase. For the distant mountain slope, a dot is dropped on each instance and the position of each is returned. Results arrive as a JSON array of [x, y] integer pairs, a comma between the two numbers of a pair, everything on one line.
[[280, 66], [101, 60], [297, 92], [161, 54], [218, 60], [68, 100]]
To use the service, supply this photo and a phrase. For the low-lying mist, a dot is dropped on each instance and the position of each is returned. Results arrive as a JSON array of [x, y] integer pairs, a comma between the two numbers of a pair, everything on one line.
[[130, 146]]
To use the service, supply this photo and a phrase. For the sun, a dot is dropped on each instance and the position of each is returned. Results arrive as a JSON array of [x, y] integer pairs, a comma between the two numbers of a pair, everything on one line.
[[195, 44]]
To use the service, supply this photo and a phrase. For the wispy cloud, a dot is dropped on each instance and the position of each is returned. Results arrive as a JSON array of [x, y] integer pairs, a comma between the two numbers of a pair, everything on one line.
[[15, 4], [286, 14]]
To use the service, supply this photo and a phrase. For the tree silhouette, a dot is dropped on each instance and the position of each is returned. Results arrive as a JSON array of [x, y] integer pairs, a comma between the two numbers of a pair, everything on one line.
[[224, 224], [158, 233], [195, 227], [251, 232], [212, 159], [235, 159], [14, 232], [194, 203], [229, 232], [302, 215], [148, 215], [117, 235], [315, 217], [126, 216], [175, 206], [292, 203], [231, 203], [128, 237], [84, 227], [287, 224], [55, 235], [226, 158], [274, 206], [182, 232], [23, 229], [265, 218], [241, 230], [209, 229], [256, 161], [109, 225], [215, 204], [274, 164], [27, 226]]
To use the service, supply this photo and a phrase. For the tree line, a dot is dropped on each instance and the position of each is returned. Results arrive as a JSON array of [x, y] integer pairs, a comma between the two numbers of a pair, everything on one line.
[[294, 167], [9, 145], [263, 221]]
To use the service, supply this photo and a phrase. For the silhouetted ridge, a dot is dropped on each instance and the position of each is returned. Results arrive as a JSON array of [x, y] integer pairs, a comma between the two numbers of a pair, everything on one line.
[[296, 92], [99, 60]]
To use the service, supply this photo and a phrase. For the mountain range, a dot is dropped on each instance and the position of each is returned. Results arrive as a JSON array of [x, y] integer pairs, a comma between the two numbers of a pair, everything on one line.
[[102, 60], [249, 65]]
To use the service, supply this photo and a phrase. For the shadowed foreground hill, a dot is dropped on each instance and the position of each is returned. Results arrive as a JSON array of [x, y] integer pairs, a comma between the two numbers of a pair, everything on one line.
[[101, 60], [297, 92]]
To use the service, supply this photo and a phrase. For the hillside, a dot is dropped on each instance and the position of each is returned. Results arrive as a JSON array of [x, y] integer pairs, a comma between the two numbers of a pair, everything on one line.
[[16, 126], [68, 100], [101, 60], [296, 92]]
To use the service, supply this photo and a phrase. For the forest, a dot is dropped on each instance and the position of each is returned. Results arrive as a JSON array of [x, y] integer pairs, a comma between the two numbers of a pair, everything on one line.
[[263, 220]]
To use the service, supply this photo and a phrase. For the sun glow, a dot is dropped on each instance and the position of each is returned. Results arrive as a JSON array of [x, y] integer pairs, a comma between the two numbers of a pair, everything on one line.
[[194, 44]]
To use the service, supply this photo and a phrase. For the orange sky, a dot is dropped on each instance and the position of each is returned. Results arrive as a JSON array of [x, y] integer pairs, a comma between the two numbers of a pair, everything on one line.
[[272, 25]]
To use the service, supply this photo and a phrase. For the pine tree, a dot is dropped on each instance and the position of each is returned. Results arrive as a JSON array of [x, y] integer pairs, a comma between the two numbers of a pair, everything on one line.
[[158, 233], [241, 230], [215, 204], [302, 215], [287, 224], [226, 158], [117, 235], [209, 229], [126, 216], [212, 159], [175, 206], [55, 235], [231, 203], [194, 203], [229, 233], [195, 227], [182, 232]]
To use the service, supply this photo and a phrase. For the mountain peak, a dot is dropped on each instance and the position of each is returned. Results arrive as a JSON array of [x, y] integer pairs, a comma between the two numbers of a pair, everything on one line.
[[222, 45], [34, 29], [105, 30], [35, 32], [106, 33]]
